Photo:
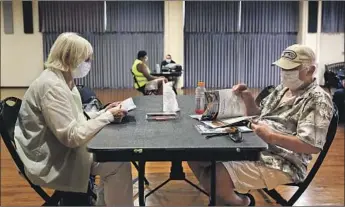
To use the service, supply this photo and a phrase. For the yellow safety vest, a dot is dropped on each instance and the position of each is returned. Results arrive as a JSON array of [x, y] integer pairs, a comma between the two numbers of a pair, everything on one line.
[[141, 79]]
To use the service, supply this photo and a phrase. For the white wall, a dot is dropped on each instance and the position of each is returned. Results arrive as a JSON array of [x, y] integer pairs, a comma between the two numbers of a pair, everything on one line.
[[173, 32], [331, 50], [21, 54]]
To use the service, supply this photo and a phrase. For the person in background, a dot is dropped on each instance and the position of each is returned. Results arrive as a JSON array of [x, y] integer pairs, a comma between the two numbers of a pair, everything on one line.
[[167, 60], [52, 131], [293, 120], [144, 80], [339, 97]]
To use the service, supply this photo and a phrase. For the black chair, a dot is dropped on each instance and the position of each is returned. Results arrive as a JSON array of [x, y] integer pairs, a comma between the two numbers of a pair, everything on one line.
[[335, 67], [263, 94], [142, 89], [9, 109]]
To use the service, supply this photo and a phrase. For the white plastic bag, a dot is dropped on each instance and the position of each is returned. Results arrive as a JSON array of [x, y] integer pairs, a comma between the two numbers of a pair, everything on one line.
[[169, 98]]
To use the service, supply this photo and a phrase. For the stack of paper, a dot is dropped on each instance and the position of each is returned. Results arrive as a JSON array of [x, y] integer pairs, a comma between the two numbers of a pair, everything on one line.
[[226, 122], [128, 104], [204, 130]]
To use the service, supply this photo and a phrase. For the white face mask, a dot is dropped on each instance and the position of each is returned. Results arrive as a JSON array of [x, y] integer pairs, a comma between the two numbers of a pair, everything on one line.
[[290, 79], [146, 58], [168, 60], [82, 70]]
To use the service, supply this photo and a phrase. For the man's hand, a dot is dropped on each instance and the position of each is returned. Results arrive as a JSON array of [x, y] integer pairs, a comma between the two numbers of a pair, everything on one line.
[[239, 88], [112, 105], [262, 130], [289, 142]]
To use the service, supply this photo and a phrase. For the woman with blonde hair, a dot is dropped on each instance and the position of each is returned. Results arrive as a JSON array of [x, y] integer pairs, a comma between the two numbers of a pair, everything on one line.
[[52, 131]]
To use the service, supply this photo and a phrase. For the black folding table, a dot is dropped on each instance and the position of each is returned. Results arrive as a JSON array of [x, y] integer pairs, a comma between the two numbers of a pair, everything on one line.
[[176, 140]]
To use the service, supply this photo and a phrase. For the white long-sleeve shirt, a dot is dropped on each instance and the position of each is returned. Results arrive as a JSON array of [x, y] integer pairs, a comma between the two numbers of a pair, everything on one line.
[[52, 134]]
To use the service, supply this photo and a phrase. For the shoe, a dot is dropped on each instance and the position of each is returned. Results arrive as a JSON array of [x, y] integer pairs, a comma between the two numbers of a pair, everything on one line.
[[251, 198]]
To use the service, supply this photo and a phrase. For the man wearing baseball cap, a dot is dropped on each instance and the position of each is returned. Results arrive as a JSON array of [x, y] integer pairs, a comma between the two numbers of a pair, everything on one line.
[[293, 120]]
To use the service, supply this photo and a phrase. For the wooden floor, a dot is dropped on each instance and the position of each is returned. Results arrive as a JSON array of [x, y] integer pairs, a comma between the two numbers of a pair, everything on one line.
[[326, 189]]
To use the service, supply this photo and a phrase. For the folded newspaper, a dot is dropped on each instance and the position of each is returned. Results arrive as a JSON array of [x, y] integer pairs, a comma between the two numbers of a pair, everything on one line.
[[224, 108]]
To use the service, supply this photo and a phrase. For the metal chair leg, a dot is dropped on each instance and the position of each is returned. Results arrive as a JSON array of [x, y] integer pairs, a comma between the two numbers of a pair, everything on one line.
[[276, 196]]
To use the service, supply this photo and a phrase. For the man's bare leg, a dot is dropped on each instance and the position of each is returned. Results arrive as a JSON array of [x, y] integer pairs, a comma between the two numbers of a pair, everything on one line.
[[225, 187]]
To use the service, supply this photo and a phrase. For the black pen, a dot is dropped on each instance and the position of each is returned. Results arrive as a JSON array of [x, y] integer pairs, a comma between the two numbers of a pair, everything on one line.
[[216, 135]]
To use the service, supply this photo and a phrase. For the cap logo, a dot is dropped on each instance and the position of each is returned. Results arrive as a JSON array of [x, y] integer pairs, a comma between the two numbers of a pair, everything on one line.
[[289, 54]]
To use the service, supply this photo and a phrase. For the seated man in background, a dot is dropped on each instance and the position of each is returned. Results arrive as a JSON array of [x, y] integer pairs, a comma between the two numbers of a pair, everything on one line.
[[293, 120], [167, 61], [144, 80]]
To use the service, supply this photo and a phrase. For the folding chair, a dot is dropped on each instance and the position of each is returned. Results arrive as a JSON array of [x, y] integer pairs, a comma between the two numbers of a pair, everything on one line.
[[304, 185], [263, 94], [8, 116], [141, 89]]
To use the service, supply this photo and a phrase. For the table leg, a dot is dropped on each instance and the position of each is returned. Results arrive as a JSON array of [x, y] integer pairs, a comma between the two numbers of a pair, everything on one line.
[[213, 184], [141, 176]]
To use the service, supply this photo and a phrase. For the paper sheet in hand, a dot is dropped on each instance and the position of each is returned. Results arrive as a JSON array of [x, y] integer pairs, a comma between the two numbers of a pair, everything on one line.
[[223, 104], [128, 104]]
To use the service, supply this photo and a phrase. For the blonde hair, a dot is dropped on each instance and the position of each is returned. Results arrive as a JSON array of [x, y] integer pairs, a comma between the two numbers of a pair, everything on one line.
[[68, 51]]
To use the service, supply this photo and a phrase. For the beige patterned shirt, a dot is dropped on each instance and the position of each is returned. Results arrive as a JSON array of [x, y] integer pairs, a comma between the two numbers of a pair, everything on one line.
[[306, 116]]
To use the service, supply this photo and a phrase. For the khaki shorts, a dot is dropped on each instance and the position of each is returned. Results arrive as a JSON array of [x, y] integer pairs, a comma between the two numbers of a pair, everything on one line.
[[248, 176]]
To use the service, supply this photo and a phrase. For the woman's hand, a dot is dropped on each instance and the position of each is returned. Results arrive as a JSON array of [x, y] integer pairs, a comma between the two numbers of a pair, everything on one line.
[[118, 111], [112, 105]]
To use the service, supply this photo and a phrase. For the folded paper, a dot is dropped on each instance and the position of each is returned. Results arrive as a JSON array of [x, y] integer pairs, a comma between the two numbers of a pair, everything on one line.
[[169, 98]]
